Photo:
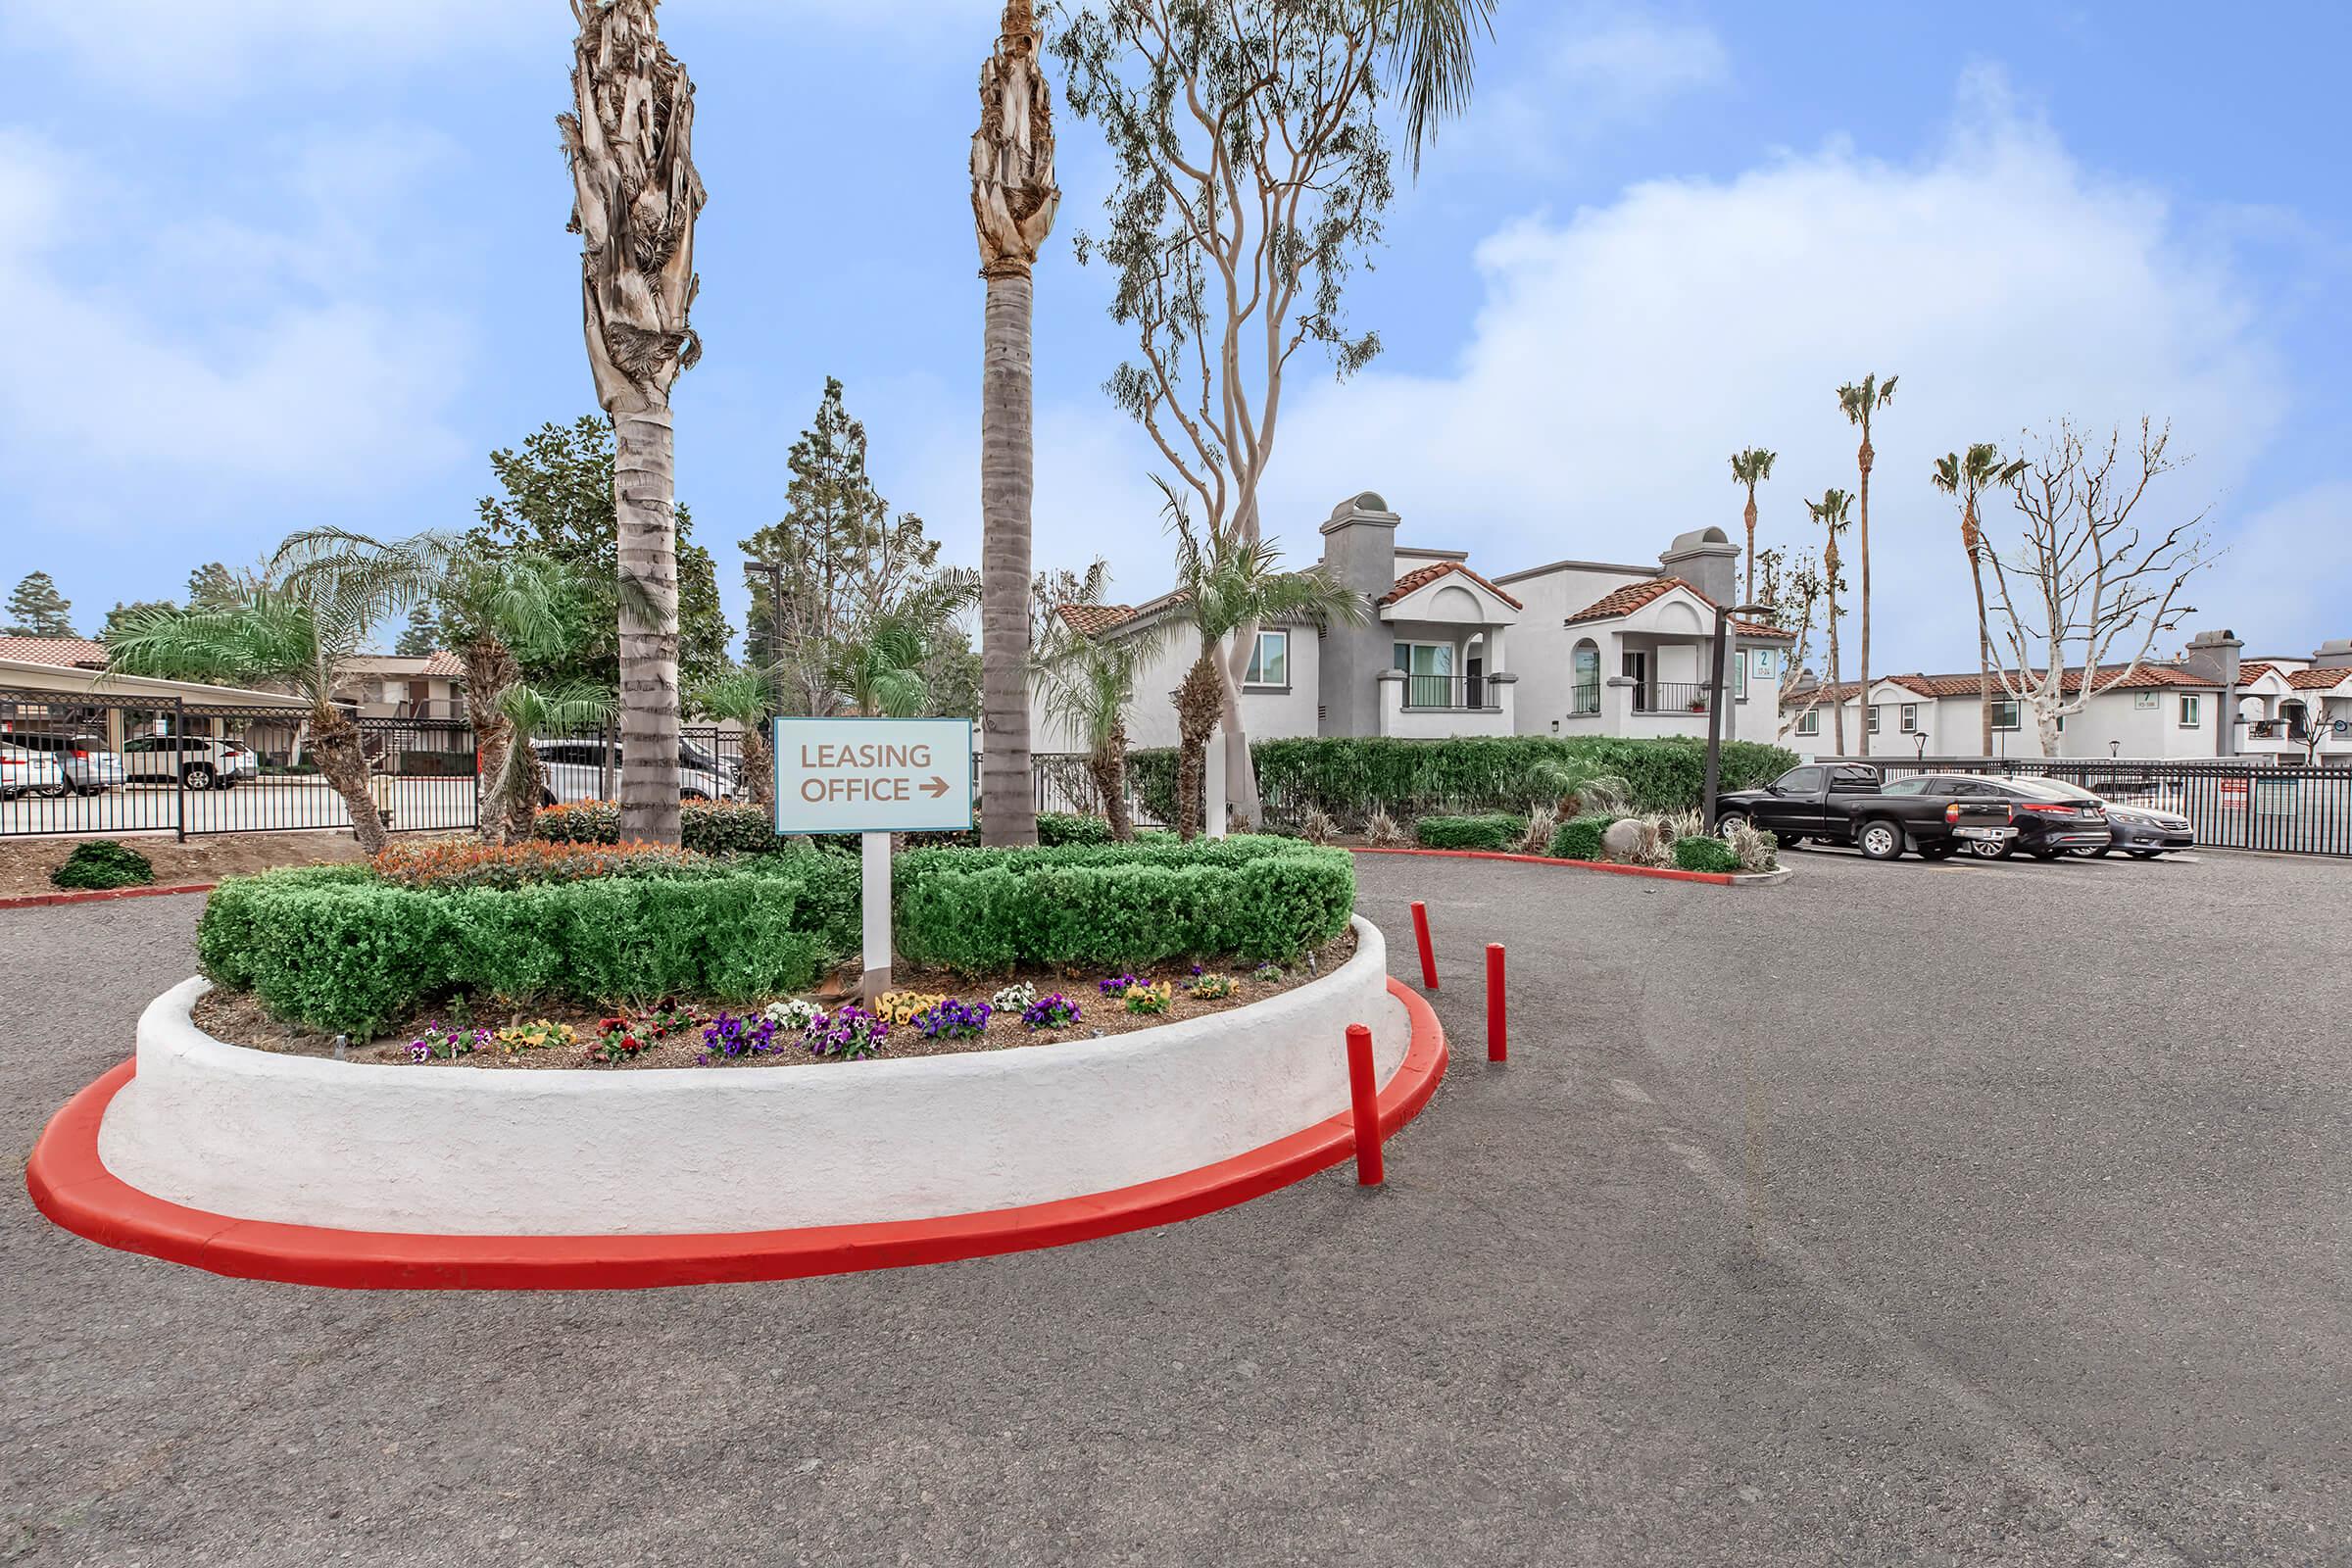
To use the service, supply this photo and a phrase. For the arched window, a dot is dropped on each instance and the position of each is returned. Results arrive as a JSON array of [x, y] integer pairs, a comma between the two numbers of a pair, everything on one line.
[[1584, 677]]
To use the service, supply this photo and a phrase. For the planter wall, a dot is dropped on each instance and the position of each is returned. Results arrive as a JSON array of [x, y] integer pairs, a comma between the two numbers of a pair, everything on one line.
[[454, 1151]]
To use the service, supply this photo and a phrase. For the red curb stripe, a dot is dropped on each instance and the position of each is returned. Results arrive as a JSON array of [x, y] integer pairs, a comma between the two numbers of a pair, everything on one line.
[[1665, 873], [70, 1185], [28, 900]]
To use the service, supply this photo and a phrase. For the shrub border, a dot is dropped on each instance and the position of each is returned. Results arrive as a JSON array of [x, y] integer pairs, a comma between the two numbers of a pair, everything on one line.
[[1664, 873], [73, 1186]]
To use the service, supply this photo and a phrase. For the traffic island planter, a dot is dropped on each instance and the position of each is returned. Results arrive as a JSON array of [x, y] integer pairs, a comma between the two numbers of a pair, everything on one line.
[[335, 1173], [1665, 873]]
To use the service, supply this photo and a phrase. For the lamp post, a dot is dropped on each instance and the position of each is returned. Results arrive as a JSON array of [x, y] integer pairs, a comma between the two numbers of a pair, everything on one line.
[[1715, 694], [1923, 745]]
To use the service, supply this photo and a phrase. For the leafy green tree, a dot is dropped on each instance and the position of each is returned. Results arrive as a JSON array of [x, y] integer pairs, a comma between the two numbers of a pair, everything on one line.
[[1254, 167], [558, 500], [37, 609], [213, 586]]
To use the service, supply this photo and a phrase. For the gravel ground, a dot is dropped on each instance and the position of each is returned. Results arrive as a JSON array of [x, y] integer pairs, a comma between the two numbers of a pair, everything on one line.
[[2055, 1236]]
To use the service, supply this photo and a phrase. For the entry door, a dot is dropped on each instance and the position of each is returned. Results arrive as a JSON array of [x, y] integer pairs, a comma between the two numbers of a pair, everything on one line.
[[1474, 674], [1637, 670]]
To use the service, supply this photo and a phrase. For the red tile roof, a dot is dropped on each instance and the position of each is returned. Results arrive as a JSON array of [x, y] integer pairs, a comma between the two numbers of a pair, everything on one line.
[[66, 652], [443, 664], [1089, 620], [2307, 680], [1422, 576], [2249, 674], [1634, 595], [2146, 678]]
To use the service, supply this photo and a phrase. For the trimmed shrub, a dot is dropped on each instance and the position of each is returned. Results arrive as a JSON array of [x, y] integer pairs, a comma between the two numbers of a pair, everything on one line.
[[980, 912], [462, 865], [735, 827], [1494, 831], [104, 864], [1695, 854], [1351, 778], [339, 949], [1579, 838]]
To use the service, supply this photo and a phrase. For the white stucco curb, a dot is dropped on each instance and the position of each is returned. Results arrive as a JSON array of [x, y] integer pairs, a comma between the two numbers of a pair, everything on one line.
[[678, 1150]]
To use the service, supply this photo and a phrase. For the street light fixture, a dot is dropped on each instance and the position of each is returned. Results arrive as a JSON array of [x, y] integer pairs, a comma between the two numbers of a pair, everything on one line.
[[1722, 620]]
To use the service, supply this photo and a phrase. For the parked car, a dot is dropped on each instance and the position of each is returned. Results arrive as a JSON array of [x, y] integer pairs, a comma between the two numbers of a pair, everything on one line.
[[21, 773], [576, 771], [88, 765], [197, 760], [1937, 814]]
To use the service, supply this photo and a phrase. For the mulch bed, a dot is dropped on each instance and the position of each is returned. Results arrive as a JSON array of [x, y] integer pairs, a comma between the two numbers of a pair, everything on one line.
[[236, 1017]]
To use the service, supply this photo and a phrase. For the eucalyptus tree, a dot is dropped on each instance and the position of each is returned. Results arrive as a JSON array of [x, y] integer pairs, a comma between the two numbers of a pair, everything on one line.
[[296, 633], [1014, 198], [635, 195], [1253, 166], [1859, 401], [1751, 468], [1229, 586], [1835, 513], [1968, 475]]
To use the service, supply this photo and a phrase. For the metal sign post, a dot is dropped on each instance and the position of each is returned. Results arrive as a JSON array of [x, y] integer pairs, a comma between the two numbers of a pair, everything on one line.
[[873, 777]]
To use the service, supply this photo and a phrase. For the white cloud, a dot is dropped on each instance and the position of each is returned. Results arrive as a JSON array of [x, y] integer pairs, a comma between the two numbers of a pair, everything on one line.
[[202, 368], [2285, 581], [1620, 355], [1598, 69]]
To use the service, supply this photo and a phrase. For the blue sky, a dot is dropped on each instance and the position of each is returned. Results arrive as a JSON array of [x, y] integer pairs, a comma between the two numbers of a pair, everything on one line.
[[285, 262]]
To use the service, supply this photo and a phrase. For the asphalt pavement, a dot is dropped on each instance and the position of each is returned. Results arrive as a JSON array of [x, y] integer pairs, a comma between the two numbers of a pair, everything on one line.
[[2042, 1261]]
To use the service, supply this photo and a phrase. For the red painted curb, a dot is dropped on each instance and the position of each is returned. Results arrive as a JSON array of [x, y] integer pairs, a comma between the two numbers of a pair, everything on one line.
[[70, 1185], [1665, 873], [27, 901]]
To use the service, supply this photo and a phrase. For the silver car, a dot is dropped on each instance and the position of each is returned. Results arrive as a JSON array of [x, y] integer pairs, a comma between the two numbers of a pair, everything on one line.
[[582, 770], [85, 760]]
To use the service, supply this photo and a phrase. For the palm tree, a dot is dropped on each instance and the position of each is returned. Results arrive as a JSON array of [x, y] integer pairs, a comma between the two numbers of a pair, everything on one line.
[[1230, 584], [881, 673], [1086, 685], [1860, 403], [635, 194], [1431, 57], [1751, 468], [1014, 198], [526, 713], [745, 696], [1830, 512], [1968, 478], [297, 633]]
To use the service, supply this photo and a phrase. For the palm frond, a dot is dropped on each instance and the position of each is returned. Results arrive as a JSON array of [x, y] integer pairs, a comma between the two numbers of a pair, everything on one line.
[[1431, 56]]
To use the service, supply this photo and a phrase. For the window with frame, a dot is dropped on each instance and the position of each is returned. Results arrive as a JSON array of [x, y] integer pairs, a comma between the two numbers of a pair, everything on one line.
[[1808, 723], [1269, 661], [2004, 712], [1584, 679], [1910, 719], [1740, 679], [2191, 711], [1874, 718]]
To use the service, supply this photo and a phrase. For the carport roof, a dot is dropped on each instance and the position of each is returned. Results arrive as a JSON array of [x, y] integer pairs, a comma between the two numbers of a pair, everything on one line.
[[101, 686]]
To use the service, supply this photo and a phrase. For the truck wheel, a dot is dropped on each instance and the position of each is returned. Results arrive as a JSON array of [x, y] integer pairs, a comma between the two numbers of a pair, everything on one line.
[[1880, 840], [1728, 821]]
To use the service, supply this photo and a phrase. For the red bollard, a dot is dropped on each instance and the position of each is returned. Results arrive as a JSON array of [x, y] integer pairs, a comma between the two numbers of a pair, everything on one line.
[[1499, 1047], [1429, 956], [1364, 1096]]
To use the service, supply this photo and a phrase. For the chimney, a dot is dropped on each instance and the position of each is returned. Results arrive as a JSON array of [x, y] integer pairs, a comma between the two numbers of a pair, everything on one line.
[[2213, 655], [2334, 654], [1706, 560], [1359, 551]]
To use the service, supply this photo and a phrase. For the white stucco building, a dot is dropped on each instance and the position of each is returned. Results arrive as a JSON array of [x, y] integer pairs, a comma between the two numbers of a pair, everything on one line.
[[1573, 648]]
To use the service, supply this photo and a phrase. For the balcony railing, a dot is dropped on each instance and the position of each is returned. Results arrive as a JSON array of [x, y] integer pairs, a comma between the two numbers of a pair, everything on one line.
[[1671, 697], [1448, 693], [1585, 698]]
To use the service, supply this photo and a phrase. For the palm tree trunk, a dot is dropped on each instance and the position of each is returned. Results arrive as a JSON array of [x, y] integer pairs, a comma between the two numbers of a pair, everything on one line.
[[1976, 571], [345, 766], [490, 668], [1199, 702], [1108, 765], [1862, 675], [1749, 514], [759, 767], [1836, 699], [1008, 456], [644, 502]]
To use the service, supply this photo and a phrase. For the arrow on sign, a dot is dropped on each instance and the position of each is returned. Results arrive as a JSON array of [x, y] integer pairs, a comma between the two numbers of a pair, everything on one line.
[[936, 788]]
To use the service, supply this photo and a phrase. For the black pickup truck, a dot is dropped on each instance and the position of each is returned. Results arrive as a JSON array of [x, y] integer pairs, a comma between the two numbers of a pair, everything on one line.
[[1937, 814]]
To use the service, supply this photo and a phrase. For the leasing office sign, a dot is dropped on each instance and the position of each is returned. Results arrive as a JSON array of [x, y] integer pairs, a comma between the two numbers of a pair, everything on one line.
[[873, 775]]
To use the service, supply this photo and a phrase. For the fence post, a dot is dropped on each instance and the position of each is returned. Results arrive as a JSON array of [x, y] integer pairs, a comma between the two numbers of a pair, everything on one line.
[[1363, 1098], [179, 765]]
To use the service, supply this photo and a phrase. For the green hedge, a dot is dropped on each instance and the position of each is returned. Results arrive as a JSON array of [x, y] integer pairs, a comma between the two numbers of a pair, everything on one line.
[[1694, 854], [734, 827], [104, 864], [981, 911], [337, 949], [1579, 838], [1350, 778], [1492, 831]]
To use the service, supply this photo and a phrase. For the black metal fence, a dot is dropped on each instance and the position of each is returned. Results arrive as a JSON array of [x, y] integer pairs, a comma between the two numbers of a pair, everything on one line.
[[2238, 805]]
